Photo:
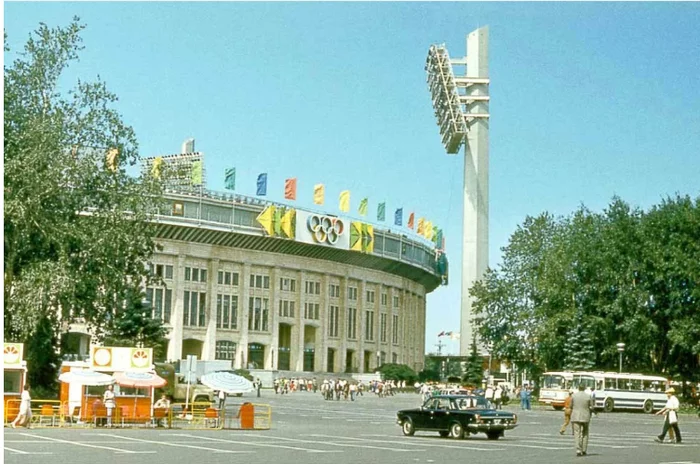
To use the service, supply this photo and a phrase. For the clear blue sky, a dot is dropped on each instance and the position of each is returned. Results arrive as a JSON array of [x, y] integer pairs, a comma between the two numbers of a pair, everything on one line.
[[588, 100]]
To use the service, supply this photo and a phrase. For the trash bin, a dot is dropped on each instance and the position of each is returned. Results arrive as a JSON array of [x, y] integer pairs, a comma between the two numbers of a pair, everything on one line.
[[247, 416]]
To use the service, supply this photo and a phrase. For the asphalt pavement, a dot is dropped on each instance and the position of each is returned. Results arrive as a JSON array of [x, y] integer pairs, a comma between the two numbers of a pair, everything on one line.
[[308, 429]]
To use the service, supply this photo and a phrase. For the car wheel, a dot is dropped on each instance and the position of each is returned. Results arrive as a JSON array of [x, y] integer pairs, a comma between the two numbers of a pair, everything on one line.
[[648, 406], [609, 405], [493, 435], [407, 428], [457, 431], [444, 433]]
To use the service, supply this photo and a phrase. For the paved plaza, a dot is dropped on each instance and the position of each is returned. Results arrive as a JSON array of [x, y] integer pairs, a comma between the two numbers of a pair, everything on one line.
[[305, 428]]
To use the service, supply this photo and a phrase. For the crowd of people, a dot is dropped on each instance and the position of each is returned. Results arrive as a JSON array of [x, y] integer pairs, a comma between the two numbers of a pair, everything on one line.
[[338, 388]]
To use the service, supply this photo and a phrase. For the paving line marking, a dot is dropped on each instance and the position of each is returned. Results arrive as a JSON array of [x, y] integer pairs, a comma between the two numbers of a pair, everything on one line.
[[25, 452], [86, 445], [350, 445], [499, 443], [265, 445], [408, 443], [179, 445]]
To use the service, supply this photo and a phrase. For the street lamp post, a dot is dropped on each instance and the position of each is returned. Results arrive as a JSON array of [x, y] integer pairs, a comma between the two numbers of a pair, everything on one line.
[[620, 349]]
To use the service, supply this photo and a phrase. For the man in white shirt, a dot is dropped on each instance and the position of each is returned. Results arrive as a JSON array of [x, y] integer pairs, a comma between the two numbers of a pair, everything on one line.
[[671, 411]]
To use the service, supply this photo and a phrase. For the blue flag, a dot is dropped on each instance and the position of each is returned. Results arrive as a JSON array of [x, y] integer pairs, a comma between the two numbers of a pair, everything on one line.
[[398, 217], [381, 212], [230, 179], [262, 184]]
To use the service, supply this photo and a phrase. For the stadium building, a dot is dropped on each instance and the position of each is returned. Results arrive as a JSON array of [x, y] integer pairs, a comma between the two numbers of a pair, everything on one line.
[[272, 287]]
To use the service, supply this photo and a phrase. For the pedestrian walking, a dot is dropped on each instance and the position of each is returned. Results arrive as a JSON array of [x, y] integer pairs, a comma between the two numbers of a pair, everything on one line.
[[671, 420], [581, 409], [109, 402], [567, 414], [222, 399], [24, 417], [498, 396], [258, 386]]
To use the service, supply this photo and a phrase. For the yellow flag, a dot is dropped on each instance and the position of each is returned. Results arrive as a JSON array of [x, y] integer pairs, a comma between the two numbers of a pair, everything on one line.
[[421, 226], [112, 159], [428, 230], [345, 200], [266, 219], [287, 223], [319, 194], [157, 167]]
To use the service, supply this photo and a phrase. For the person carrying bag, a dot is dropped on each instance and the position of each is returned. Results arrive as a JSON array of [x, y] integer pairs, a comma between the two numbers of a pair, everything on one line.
[[671, 412]]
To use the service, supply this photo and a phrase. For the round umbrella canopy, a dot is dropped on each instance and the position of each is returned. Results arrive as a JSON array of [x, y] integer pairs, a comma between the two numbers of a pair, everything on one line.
[[86, 377], [227, 381], [139, 379]]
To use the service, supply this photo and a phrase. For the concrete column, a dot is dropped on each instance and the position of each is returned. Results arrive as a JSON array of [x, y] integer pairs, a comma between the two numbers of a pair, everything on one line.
[[361, 346], [297, 342], [475, 241], [341, 357], [175, 344], [322, 332], [242, 348], [209, 345], [272, 354]]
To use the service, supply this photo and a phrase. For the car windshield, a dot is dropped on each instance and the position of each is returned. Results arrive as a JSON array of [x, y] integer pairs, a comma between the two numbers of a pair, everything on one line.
[[461, 402]]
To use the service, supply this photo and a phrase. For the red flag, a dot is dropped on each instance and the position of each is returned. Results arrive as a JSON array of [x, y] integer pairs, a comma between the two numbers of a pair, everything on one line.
[[290, 189], [410, 221]]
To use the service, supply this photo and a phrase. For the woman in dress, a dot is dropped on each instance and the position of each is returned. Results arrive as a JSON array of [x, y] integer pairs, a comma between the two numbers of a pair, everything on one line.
[[25, 409], [108, 400]]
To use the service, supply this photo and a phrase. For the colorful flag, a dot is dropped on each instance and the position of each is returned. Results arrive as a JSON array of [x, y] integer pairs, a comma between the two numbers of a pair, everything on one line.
[[157, 167], [441, 334], [230, 179], [363, 207], [420, 230], [398, 217], [290, 189], [196, 173], [266, 219], [438, 238], [381, 212], [113, 159], [428, 230], [287, 223], [345, 200], [262, 184], [411, 220], [454, 335], [319, 194]]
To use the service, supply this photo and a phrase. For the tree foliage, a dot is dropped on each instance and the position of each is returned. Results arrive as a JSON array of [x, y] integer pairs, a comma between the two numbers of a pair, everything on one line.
[[625, 274], [399, 372], [76, 230], [474, 370]]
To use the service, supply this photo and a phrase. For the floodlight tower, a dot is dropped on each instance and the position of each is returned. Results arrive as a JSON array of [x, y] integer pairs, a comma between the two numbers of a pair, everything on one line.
[[461, 106]]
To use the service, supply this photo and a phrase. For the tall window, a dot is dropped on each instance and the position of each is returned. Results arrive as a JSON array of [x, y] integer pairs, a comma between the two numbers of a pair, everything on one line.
[[334, 312], [396, 301], [286, 308], [352, 293], [225, 349], [370, 296], [228, 278], [311, 311], [161, 303], [352, 323], [394, 358], [195, 274], [384, 299], [258, 314], [395, 329], [334, 290], [226, 311], [312, 288], [382, 327], [259, 281], [369, 325], [194, 314]]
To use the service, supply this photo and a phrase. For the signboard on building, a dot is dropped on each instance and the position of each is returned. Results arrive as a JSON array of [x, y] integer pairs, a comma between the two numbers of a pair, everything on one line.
[[112, 358], [12, 354], [320, 229]]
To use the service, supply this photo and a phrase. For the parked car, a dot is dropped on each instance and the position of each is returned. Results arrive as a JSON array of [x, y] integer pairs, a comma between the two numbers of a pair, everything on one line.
[[458, 416]]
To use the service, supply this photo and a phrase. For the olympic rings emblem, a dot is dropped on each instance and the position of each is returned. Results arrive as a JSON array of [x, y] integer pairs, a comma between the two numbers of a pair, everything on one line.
[[325, 229]]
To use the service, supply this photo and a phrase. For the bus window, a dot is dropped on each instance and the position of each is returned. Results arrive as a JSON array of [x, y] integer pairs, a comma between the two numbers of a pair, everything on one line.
[[587, 381], [610, 383], [554, 381]]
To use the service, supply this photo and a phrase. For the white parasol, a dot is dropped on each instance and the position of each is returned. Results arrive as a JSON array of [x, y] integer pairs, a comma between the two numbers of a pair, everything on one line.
[[227, 381], [86, 377]]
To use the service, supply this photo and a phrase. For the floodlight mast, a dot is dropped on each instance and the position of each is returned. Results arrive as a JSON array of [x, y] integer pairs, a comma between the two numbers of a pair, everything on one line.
[[461, 106]]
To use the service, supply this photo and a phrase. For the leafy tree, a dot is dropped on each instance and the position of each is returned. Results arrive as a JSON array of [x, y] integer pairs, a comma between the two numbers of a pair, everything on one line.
[[398, 372], [76, 229], [474, 371], [134, 326], [42, 360], [579, 355]]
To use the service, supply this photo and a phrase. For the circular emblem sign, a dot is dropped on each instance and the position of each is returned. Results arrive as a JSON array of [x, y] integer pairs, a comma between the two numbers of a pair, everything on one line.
[[10, 355], [139, 358], [325, 229], [102, 357]]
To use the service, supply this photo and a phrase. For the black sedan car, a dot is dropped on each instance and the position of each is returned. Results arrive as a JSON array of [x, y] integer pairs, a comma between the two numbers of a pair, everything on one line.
[[458, 416]]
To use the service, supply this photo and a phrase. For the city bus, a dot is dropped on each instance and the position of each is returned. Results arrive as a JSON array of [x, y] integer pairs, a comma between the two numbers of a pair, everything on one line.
[[613, 391], [554, 388]]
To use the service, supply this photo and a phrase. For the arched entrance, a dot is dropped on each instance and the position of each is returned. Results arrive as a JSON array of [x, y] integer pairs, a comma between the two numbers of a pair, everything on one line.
[[284, 347], [192, 346], [256, 356]]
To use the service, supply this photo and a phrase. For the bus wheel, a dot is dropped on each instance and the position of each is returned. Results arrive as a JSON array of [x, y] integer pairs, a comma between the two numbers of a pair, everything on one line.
[[609, 405], [648, 406], [558, 408]]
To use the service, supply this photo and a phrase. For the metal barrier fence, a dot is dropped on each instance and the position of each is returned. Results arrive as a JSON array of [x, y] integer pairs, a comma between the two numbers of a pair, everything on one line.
[[194, 416]]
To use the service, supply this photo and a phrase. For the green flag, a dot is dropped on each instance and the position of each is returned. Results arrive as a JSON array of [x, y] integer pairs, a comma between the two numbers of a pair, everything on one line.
[[363, 207], [197, 173], [381, 212]]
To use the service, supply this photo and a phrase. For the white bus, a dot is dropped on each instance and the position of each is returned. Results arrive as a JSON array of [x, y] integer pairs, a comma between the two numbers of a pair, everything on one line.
[[554, 388], [624, 391]]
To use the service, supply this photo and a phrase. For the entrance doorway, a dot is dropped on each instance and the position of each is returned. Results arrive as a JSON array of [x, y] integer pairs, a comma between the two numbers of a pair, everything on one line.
[[256, 356], [330, 355]]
